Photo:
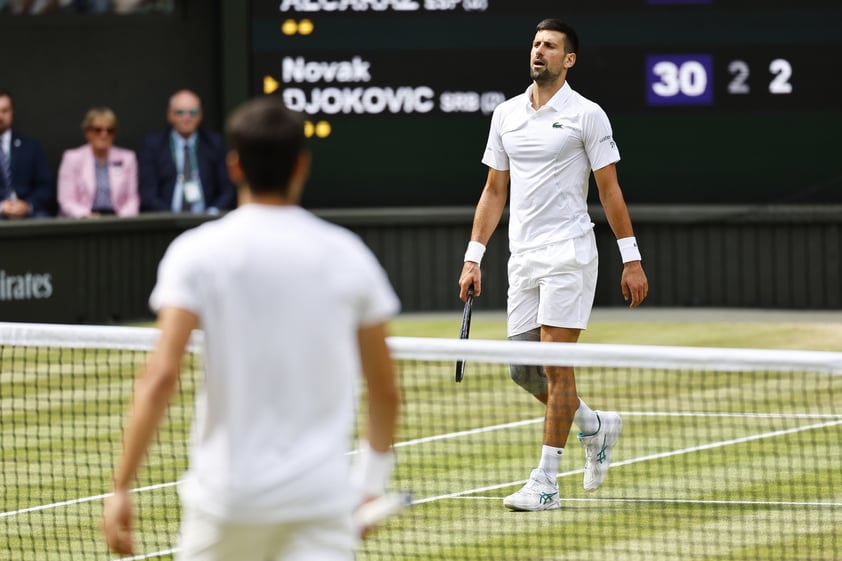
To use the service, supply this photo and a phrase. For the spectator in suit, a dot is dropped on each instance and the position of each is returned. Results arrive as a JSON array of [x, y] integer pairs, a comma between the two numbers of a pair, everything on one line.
[[183, 168], [26, 184], [98, 178]]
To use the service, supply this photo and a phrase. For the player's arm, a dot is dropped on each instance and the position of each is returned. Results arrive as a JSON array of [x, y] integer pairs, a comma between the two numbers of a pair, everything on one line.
[[376, 460], [154, 387], [633, 282], [486, 218], [381, 382]]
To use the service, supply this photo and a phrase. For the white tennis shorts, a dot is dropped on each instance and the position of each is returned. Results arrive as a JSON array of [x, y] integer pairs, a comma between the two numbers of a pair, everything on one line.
[[204, 538], [553, 285]]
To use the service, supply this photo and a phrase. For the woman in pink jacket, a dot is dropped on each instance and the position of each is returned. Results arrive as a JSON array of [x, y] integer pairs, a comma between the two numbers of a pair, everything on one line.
[[98, 178]]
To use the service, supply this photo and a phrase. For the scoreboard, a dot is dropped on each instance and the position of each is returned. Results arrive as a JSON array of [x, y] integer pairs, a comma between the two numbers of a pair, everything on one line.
[[711, 101]]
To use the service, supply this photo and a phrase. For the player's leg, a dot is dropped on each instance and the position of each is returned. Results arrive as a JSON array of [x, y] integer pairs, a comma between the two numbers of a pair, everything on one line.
[[530, 377], [522, 323], [566, 274], [566, 300], [562, 398], [540, 491], [599, 430], [563, 408], [566, 296]]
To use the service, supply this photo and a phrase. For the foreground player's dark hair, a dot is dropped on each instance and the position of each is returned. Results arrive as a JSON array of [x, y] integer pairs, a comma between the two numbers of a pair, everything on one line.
[[268, 138]]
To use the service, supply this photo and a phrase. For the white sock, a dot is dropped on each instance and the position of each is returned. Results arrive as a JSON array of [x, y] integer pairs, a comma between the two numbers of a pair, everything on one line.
[[586, 419], [550, 460]]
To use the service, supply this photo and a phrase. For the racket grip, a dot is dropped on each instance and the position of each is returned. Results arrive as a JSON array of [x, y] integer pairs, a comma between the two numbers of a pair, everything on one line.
[[381, 508]]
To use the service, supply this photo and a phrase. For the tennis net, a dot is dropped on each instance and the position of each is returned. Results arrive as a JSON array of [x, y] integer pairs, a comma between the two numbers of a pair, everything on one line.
[[725, 454]]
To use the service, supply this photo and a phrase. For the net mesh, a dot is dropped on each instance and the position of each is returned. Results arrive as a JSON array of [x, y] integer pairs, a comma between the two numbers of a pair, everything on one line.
[[725, 454]]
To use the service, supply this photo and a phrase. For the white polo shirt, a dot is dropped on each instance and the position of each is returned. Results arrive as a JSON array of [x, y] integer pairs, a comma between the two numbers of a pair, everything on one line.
[[280, 295], [550, 154]]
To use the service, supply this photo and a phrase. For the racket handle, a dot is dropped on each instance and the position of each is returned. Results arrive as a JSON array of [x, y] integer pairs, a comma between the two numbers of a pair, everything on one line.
[[381, 508]]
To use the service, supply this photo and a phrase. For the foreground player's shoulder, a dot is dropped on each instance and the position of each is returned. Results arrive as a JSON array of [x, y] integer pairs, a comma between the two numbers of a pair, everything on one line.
[[202, 246], [348, 251], [348, 244], [201, 235], [360, 271], [187, 242]]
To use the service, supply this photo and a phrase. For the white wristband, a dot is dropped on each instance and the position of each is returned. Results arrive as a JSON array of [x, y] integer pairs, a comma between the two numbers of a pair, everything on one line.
[[628, 249], [475, 252], [373, 470]]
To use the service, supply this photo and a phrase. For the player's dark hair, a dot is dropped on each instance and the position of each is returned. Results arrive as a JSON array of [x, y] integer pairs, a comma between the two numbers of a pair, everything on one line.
[[571, 42], [268, 139]]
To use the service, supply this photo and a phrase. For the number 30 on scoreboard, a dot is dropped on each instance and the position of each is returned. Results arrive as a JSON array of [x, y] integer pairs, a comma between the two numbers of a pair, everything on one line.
[[688, 79], [679, 79]]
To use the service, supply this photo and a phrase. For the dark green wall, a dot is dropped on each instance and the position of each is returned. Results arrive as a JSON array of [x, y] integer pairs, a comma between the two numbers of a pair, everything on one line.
[[743, 257]]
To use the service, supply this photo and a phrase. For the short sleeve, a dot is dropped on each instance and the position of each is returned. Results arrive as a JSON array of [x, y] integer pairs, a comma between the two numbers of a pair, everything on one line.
[[495, 155], [599, 139], [178, 279], [379, 302]]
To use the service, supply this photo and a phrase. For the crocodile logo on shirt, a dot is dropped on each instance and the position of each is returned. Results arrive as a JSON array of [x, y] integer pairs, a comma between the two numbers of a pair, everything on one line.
[[557, 125]]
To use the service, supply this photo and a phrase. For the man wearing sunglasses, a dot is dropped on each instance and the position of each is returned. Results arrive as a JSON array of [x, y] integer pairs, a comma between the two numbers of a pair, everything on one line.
[[182, 168]]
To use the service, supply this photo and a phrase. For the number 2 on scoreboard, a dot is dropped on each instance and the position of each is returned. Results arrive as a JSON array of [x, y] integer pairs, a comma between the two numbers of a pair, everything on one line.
[[780, 68]]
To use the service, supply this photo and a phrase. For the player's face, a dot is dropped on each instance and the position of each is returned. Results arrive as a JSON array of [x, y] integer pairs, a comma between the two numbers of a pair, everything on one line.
[[548, 60]]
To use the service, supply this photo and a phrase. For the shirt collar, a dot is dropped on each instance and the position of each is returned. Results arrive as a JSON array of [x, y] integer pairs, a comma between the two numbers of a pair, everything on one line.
[[6, 141], [557, 101], [180, 141]]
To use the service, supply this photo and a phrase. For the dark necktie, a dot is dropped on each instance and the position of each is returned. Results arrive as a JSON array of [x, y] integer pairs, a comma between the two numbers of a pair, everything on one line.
[[187, 173], [6, 170]]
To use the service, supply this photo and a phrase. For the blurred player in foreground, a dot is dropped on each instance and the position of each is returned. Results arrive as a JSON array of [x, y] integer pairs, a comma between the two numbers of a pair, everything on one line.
[[293, 310], [547, 141]]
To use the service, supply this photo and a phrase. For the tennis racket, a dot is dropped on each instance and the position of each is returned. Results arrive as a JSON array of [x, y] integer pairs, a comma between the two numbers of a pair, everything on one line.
[[381, 508], [466, 329]]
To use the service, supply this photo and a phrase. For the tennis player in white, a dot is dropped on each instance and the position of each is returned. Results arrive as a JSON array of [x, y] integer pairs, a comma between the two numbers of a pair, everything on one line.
[[293, 311], [546, 142]]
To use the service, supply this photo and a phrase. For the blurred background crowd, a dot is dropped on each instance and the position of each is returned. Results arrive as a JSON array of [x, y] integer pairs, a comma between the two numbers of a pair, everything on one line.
[[181, 168], [84, 6]]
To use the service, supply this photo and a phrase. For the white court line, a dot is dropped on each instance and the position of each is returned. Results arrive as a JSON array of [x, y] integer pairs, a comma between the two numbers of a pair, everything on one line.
[[646, 458], [740, 415], [535, 420], [84, 500], [149, 555], [469, 432], [689, 450], [674, 501], [492, 428], [836, 421]]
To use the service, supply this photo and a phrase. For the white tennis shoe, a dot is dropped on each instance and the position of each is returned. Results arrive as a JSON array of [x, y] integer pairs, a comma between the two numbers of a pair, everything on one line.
[[598, 448], [539, 493]]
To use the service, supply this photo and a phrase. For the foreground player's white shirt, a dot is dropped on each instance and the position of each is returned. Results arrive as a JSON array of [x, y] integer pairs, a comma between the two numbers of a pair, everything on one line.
[[280, 295], [549, 154]]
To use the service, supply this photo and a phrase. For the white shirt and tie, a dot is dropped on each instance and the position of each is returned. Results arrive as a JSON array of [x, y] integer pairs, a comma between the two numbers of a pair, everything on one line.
[[188, 186]]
